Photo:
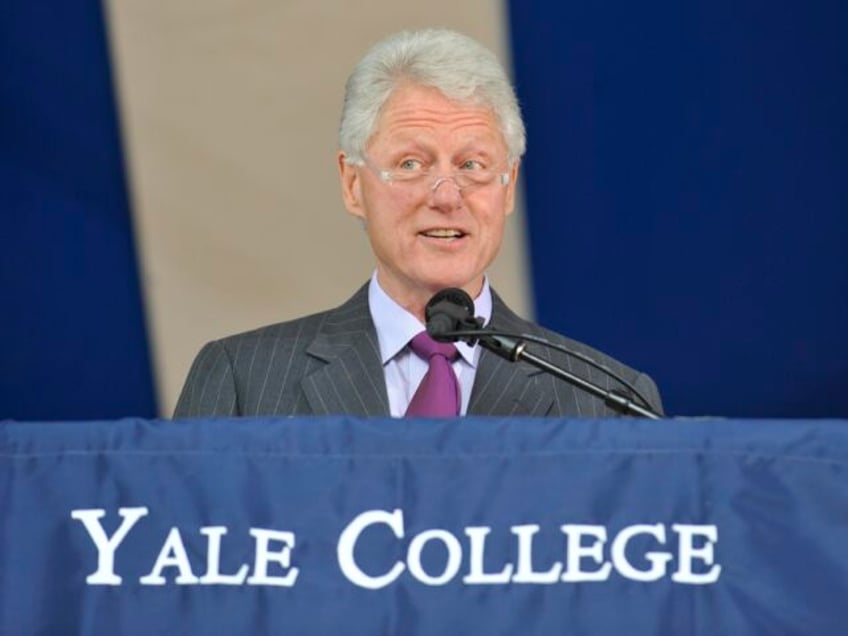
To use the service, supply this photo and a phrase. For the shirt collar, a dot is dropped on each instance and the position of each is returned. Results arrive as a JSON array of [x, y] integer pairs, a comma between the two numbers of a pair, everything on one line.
[[396, 326]]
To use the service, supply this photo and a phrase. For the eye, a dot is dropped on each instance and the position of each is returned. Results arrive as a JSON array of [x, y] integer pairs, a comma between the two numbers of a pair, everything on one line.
[[472, 164], [411, 165]]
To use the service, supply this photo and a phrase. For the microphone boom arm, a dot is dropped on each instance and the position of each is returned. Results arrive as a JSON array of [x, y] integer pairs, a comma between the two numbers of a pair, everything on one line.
[[514, 349]]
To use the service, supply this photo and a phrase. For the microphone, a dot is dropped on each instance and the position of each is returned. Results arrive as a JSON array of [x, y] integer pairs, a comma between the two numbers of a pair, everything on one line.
[[450, 317], [450, 310]]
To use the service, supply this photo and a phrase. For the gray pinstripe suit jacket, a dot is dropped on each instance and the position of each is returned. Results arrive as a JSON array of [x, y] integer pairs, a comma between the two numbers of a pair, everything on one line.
[[329, 363]]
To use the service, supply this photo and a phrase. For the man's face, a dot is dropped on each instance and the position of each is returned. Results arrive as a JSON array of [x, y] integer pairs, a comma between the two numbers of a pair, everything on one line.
[[424, 238]]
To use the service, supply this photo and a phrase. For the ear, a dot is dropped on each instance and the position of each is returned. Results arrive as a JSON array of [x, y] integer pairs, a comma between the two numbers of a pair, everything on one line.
[[512, 186], [351, 187]]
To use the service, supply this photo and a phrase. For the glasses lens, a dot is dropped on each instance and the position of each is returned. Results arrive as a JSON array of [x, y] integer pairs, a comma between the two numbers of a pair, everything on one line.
[[476, 178], [423, 180]]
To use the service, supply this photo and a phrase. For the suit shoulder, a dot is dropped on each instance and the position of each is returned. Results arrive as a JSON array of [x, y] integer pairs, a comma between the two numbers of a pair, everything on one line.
[[505, 318], [580, 347], [508, 320]]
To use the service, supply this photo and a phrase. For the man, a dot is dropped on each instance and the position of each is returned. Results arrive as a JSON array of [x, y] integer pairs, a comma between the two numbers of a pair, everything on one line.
[[431, 138]]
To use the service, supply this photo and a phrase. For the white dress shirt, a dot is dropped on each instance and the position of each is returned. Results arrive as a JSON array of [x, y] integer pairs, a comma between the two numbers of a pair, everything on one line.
[[403, 369]]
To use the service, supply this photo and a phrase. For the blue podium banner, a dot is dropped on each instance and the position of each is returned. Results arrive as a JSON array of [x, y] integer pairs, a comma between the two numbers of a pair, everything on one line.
[[471, 526]]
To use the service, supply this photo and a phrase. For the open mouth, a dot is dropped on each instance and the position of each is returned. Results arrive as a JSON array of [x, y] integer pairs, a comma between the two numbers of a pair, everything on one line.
[[446, 234]]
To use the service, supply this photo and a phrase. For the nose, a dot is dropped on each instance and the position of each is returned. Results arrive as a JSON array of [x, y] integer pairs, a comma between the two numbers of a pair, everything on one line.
[[445, 194]]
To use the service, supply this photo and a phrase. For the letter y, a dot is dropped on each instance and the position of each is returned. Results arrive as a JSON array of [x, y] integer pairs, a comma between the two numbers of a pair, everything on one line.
[[106, 546]]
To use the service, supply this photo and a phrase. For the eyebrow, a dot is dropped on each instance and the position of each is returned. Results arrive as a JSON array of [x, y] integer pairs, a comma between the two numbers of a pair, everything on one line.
[[480, 146]]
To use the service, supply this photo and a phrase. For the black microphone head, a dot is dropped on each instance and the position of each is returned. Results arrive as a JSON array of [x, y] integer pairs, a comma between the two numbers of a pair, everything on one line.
[[439, 325], [452, 295], [450, 309]]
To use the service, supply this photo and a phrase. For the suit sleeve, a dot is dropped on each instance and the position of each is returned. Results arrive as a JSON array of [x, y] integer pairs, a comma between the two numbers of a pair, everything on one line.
[[210, 389]]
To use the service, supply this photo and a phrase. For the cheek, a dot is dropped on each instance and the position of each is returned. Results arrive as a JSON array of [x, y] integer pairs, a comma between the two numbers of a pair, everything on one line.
[[390, 221], [404, 202], [391, 204], [490, 212]]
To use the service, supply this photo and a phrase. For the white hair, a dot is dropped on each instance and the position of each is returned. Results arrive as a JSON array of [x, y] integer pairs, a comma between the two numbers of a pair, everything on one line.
[[460, 68]]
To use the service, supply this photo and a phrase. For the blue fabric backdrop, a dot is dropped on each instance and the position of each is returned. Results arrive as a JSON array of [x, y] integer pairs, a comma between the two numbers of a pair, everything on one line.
[[72, 322], [686, 192]]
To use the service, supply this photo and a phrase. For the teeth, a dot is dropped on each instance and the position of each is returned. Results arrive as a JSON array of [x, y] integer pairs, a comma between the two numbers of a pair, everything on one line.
[[444, 233]]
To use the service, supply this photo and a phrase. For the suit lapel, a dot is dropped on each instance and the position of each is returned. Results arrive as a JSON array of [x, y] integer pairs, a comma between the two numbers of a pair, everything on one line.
[[350, 378], [507, 388]]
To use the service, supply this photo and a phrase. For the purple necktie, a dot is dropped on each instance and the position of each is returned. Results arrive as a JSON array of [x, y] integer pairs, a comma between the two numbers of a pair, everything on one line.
[[438, 393]]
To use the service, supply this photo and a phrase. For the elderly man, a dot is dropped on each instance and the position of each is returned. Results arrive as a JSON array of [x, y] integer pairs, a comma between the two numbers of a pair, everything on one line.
[[431, 138]]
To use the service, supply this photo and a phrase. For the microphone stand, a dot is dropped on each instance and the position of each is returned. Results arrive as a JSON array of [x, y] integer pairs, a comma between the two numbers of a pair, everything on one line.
[[513, 349]]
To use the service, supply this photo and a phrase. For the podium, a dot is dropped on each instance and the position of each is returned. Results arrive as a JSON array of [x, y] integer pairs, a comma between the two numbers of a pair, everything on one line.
[[384, 526]]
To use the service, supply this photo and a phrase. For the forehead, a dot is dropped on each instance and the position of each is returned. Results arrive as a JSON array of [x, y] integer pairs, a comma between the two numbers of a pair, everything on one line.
[[415, 112]]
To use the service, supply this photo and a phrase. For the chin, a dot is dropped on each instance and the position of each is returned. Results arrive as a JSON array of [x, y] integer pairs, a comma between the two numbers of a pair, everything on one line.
[[438, 275], [454, 281]]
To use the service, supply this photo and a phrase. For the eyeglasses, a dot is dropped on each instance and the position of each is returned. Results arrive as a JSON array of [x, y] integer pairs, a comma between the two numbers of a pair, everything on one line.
[[425, 180]]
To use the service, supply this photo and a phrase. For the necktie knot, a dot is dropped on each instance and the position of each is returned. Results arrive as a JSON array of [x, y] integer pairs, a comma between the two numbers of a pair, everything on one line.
[[425, 347]]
